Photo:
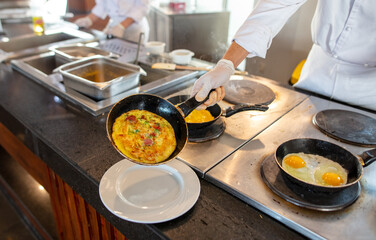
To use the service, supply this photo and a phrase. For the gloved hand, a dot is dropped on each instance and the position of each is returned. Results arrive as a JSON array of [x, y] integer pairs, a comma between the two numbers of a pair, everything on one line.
[[84, 22], [214, 79], [117, 31]]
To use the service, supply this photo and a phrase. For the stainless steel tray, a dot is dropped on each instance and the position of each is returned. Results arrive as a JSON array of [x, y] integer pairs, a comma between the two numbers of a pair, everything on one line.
[[31, 44], [72, 53], [100, 77]]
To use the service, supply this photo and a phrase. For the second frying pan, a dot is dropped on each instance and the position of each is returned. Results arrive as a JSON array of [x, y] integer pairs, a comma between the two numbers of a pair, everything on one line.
[[216, 111]]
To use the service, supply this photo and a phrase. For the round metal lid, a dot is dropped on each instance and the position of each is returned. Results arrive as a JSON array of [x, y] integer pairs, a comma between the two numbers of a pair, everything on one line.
[[248, 92], [297, 195], [347, 126]]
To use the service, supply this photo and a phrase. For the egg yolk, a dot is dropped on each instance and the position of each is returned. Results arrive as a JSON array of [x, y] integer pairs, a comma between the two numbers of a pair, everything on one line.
[[332, 179], [295, 161]]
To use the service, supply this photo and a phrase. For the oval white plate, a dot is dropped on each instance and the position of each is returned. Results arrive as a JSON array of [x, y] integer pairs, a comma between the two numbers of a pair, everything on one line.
[[149, 194]]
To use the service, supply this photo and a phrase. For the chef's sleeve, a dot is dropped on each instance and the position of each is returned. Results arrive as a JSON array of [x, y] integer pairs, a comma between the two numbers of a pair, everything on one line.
[[266, 20], [100, 9], [139, 10]]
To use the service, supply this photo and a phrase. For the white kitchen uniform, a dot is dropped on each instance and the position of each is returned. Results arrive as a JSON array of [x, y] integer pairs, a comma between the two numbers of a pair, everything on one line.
[[342, 62], [119, 10]]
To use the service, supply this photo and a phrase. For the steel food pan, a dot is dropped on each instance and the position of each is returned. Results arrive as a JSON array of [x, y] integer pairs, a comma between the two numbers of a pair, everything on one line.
[[100, 77], [67, 54]]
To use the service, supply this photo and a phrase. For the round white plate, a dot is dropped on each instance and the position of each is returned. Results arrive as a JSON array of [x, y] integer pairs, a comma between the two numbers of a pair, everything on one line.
[[149, 194]]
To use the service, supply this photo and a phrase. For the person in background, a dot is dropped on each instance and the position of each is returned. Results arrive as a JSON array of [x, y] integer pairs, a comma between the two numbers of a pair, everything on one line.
[[127, 18], [342, 61]]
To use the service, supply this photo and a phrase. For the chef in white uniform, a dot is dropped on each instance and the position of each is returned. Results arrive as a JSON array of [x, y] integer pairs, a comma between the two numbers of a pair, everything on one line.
[[341, 64], [127, 18]]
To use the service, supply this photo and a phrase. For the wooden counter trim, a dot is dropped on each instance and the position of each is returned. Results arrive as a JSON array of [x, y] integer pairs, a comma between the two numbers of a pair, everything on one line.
[[75, 218], [55, 201], [82, 214]]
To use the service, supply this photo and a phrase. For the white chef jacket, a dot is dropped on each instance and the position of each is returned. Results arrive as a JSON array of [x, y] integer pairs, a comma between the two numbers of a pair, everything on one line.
[[342, 62], [119, 10]]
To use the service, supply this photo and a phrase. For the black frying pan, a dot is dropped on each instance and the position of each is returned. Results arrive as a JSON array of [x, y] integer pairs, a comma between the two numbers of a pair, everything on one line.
[[216, 111], [328, 150], [152, 103]]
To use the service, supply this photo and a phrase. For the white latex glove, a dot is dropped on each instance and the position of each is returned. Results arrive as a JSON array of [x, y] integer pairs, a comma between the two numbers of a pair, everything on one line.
[[214, 79], [84, 22], [117, 31]]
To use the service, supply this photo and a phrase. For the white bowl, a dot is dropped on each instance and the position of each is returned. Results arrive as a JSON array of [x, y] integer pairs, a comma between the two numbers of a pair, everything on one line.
[[181, 56], [155, 48]]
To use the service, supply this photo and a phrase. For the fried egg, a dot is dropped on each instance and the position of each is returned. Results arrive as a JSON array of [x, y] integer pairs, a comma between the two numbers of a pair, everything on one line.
[[314, 169]]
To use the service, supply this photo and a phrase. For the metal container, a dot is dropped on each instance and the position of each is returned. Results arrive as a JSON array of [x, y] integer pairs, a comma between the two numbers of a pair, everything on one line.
[[100, 77], [32, 44], [67, 54]]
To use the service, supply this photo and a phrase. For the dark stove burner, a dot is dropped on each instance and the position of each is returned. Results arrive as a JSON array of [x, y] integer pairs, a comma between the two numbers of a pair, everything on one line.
[[208, 133], [295, 194], [248, 92], [346, 126]]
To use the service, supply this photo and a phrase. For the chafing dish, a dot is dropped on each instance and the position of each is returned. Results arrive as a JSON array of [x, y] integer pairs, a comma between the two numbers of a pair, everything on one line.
[[67, 54], [99, 77]]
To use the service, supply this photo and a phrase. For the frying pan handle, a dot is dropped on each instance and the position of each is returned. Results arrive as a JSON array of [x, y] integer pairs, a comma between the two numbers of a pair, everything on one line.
[[244, 107], [190, 104], [368, 157]]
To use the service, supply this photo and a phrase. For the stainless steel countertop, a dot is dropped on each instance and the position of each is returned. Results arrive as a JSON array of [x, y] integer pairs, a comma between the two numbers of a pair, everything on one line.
[[240, 175], [240, 127]]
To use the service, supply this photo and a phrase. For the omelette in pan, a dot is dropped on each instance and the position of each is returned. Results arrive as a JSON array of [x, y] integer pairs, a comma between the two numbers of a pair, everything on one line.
[[144, 136]]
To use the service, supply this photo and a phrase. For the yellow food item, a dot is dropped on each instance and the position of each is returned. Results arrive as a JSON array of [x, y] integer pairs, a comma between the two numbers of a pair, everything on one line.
[[332, 178], [199, 116], [314, 169], [294, 161], [143, 136], [330, 173]]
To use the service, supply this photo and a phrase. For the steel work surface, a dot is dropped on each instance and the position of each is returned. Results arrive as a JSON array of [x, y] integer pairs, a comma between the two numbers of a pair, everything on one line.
[[240, 175], [240, 127]]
